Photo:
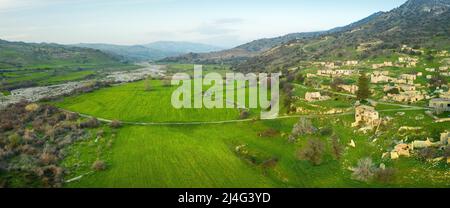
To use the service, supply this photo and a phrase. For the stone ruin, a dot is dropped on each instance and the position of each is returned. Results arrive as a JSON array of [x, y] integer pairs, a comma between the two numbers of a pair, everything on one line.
[[404, 149], [315, 96], [366, 116], [349, 88]]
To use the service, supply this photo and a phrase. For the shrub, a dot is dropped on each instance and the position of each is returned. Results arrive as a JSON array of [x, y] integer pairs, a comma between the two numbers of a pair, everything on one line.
[[100, 133], [269, 133], [427, 153], [302, 127], [270, 163], [447, 151], [71, 116], [393, 91], [99, 165], [312, 152], [326, 131], [336, 82], [385, 175], [91, 123], [337, 148], [50, 132], [116, 124], [6, 126], [300, 78], [14, 140], [244, 114], [364, 171], [47, 158]]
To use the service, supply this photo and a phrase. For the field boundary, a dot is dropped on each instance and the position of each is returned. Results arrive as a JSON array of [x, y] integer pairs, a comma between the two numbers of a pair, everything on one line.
[[232, 121]]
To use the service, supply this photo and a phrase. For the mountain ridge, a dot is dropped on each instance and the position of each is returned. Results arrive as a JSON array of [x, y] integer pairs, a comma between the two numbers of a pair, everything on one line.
[[151, 51], [417, 23]]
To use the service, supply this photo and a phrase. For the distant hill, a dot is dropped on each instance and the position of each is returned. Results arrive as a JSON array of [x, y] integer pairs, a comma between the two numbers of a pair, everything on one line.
[[132, 53], [182, 47], [20, 54], [152, 51], [417, 23]]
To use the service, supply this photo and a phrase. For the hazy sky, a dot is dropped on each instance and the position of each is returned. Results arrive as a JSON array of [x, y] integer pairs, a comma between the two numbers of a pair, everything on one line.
[[222, 23]]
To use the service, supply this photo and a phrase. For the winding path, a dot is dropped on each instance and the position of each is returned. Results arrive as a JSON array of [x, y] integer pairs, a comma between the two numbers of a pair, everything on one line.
[[370, 100], [230, 121]]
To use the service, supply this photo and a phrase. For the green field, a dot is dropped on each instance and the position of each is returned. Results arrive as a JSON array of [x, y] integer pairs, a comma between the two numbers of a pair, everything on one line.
[[49, 75], [205, 155], [132, 103]]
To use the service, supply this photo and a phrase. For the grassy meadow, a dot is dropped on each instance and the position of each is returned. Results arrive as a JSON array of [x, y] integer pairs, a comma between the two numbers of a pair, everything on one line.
[[207, 155]]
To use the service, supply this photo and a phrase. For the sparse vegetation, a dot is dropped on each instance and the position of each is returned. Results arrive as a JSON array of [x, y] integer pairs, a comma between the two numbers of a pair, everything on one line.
[[313, 151], [33, 141]]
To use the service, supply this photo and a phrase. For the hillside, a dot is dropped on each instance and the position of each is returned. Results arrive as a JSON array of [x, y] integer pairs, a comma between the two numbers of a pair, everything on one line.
[[417, 23], [152, 51], [20, 54], [240, 53], [39, 64]]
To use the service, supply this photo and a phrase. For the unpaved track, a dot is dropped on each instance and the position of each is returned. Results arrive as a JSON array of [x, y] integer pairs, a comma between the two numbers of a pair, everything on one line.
[[402, 108], [229, 121]]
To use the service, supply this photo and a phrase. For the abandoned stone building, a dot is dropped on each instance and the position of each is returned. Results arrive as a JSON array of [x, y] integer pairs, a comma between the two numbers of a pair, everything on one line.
[[445, 138], [378, 73], [349, 88], [445, 95], [406, 87], [440, 105], [408, 61], [407, 79], [400, 87], [366, 116], [442, 53], [406, 97], [351, 63], [380, 78], [400, 150], [335, 73], [315, 96], [419, 144], [385, 64]]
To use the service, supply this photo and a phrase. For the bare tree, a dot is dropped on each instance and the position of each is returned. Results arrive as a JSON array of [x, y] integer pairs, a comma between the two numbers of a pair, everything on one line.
[[385, 175], [336, 147], [365, 170], [313, 151], [302, 127]]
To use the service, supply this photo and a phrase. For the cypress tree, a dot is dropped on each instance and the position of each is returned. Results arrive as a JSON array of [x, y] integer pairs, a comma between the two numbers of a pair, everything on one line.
[[363, 85]]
